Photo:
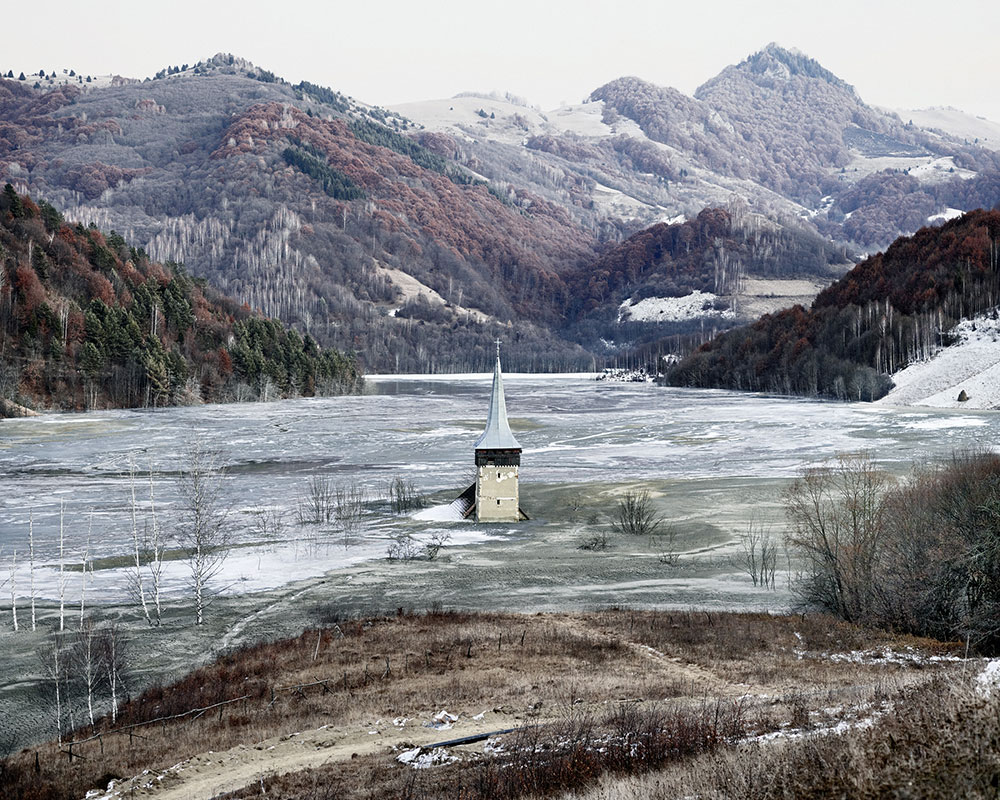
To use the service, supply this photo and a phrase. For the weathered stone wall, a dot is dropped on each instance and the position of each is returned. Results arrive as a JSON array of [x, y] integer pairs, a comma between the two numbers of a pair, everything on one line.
[[497, 498]]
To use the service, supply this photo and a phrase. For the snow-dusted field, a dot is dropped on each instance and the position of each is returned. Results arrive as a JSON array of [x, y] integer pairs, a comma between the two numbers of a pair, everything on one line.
[[710, 457], [972, 365], [672, 309], [979, 130]]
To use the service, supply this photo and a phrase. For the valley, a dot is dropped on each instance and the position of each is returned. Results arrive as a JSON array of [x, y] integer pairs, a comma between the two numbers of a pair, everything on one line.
[[311, 206], [750, 344]]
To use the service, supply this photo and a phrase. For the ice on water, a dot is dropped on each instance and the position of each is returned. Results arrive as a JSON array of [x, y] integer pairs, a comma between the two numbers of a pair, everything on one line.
[[573, 430]]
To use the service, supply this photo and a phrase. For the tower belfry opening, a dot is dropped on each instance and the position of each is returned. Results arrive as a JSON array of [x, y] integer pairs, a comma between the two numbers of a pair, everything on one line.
[[495, 496]]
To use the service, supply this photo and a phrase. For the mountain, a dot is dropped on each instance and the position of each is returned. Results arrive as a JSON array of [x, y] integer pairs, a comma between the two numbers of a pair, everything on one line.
[[415, 236], [306, 205], [893, 309], [956, 124], [777, 129], [87, 321]]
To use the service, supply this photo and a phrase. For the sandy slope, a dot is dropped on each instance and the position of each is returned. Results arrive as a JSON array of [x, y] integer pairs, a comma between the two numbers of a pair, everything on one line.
[[210, 774]]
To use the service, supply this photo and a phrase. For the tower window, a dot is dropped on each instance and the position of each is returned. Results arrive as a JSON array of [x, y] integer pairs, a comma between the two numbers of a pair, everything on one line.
[[498, 502]]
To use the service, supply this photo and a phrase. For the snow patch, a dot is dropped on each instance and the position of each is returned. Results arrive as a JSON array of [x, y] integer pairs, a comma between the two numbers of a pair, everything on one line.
[[442, 721], [971, 365], [939, 170], [906, 657], [418, 758], [672, 309], [989, 679], [974, 129], [677, 220], [450, 512], [947, 214]]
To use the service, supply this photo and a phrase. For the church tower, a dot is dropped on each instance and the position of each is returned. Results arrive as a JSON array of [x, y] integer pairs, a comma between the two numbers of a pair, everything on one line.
[[498, 458]]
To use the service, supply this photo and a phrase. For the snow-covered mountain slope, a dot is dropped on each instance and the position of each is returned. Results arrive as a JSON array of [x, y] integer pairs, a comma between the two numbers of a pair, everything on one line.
[[777, 130], [972, 365], [598, 164], [975, 130]]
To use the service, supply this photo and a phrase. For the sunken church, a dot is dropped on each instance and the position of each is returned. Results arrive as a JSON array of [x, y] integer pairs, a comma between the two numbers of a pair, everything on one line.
[[494, 497]]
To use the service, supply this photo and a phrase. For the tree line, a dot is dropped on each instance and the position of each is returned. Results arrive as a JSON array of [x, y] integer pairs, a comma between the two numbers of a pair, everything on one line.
[[919, 557], [88, 321], [892, 309]]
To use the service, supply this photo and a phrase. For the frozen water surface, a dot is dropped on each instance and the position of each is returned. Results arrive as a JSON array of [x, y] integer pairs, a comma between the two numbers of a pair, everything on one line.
[[574, 430]]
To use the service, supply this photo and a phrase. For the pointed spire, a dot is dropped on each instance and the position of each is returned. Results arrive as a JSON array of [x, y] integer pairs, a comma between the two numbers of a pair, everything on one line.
[[497, 435]]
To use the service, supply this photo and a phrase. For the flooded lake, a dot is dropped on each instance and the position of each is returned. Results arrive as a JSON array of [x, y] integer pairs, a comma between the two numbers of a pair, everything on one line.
[[712, 459]]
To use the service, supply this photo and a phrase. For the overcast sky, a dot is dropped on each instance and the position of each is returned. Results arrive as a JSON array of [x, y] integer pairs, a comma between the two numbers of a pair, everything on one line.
[[896, 54]]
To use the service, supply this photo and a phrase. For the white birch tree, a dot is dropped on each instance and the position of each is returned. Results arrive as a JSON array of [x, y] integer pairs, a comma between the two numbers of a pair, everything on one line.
[[204, 530], [62, 568], [86, 560], [13, 589], [136, 585], [114, 649], [31, 567], [155, 548], [87, 654], [52, 658]]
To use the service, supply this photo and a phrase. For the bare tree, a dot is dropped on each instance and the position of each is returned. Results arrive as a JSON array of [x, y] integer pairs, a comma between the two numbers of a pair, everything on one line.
[[319, 503], [349, 507], [268, 523], [437, 541], [204, 530], [62, 569], [636, 515], [31, 566], [403, 547], [114, 657], [87, 656], [154, 545], [666, 546], [758, 554], [86, 561], [136, 584], [51, 657], [597, 540], [402, 495], [12, 581], [836, 513]]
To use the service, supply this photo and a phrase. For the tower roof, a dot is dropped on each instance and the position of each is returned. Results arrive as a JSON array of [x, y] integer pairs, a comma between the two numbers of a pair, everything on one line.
[[497, 435]]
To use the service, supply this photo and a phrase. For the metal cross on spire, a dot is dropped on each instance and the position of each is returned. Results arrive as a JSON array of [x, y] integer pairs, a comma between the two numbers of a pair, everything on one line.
[[498, 347]]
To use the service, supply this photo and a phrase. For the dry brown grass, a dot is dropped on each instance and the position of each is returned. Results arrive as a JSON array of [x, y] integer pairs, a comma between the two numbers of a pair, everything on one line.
[[939, 741], [550, 668]]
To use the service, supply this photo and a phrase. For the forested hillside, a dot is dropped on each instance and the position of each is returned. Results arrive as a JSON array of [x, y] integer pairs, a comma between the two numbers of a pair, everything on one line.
[[891, 309], [415, 243], [88, 321], [307, 205], [712, 255]]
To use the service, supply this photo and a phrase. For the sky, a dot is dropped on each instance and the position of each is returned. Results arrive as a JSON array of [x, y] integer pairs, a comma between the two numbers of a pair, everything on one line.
[[896, 54]]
